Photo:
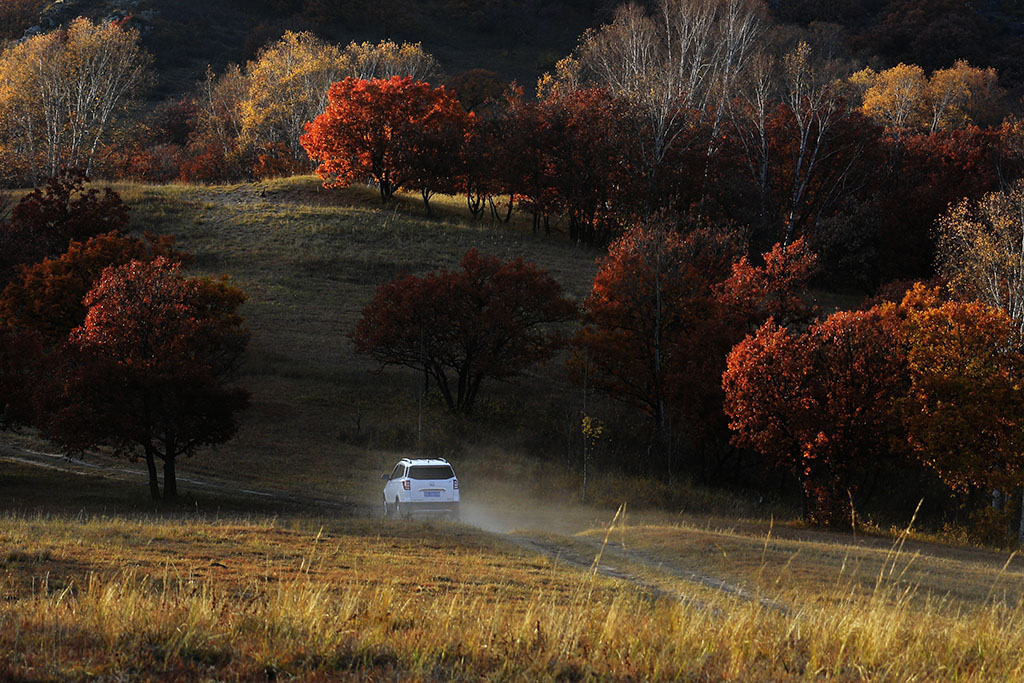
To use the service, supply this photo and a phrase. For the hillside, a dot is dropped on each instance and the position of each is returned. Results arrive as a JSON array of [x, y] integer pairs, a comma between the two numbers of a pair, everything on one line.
[[521, 39], [518, 40], [309, 260], [277, 564]]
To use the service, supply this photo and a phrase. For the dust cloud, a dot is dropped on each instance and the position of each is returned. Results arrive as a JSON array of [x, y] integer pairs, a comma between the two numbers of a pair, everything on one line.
[[501, 509]]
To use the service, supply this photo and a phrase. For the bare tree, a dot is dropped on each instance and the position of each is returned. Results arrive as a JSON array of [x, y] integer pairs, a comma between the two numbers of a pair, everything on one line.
[[814, 97], [981, 249], [748, 115], [219, 100], [679, 66]]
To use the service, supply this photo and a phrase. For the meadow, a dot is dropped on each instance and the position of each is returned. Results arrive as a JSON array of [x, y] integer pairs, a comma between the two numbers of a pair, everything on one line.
[[307, 582], [104, 597]]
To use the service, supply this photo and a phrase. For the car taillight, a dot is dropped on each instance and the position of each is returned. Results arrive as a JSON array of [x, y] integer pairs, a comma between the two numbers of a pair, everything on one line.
[[455, 484], [405, 485]]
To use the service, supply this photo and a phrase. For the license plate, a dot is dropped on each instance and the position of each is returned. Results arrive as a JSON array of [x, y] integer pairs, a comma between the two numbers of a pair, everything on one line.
[[431, 494]]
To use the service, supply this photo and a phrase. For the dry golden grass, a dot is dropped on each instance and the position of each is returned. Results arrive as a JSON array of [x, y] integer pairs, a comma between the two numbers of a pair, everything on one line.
[[245, 599], [779, 561]]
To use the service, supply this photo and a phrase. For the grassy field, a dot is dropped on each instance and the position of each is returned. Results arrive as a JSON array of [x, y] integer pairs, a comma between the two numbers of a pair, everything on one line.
[[306, 581], [244, 598]]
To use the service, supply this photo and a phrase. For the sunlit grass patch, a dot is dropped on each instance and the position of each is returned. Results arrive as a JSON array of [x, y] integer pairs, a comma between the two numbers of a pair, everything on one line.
[[782, 561]]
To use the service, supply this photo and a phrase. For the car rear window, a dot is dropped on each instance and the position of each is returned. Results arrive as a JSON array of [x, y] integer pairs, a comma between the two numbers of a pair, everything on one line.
[[431, 472]]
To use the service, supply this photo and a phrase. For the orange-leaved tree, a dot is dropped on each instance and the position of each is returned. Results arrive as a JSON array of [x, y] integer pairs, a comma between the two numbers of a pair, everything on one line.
[[963, 411], [381, 131], [149, 368], [488, 320]]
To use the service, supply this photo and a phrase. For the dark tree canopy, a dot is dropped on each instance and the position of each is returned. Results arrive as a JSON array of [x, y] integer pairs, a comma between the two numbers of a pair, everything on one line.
[[148, 369], [21, 356], [488, 320], [47, 297], [45, 221]]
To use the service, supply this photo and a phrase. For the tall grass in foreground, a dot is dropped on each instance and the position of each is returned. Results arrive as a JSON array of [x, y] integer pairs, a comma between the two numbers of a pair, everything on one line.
[[168, 626]]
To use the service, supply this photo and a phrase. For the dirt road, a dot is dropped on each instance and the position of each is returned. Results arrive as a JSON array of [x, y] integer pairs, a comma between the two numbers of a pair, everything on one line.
[[548, 529]]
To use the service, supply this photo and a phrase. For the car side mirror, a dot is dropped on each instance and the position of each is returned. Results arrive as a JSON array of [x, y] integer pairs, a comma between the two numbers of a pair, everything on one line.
[[386, 477]]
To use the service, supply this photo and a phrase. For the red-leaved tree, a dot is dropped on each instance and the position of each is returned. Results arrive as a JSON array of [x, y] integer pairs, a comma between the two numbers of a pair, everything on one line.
[[488, 320], [148, 369], [47, 297], [819, 404], [385, 131], [663, 313], [649, 311], [590, 162], [773, 290]]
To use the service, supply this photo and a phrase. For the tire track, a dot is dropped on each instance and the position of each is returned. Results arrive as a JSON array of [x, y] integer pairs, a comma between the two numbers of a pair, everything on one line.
[[568, 554], [62, 463]]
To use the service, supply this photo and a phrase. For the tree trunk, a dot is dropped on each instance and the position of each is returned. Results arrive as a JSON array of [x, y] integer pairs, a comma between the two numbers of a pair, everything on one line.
[[170, 482], [442, 385], [426, 202], [154, 485], [805, 496], [472, 388], [1020, 528], [586, 466]]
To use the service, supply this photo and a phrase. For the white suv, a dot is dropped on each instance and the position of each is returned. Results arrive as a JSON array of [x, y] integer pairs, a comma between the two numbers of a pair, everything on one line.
[[424, 486]]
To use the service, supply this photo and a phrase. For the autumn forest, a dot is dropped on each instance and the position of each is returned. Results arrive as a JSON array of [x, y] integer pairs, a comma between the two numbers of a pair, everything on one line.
[[713, 308], [808, 228]]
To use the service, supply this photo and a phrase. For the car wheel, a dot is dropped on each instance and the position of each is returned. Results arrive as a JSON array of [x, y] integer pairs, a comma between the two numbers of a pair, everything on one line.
[[387, 512], [400, 512]]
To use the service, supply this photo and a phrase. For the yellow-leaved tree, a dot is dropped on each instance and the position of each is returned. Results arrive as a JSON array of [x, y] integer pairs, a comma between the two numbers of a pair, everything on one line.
[[287, 84], [981, 249], [962, 95], [897, 97], [904, 99], [63, 93], [388, 59]]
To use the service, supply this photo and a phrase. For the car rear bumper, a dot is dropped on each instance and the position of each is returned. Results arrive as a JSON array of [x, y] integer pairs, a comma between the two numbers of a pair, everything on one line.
[[432, 507]]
